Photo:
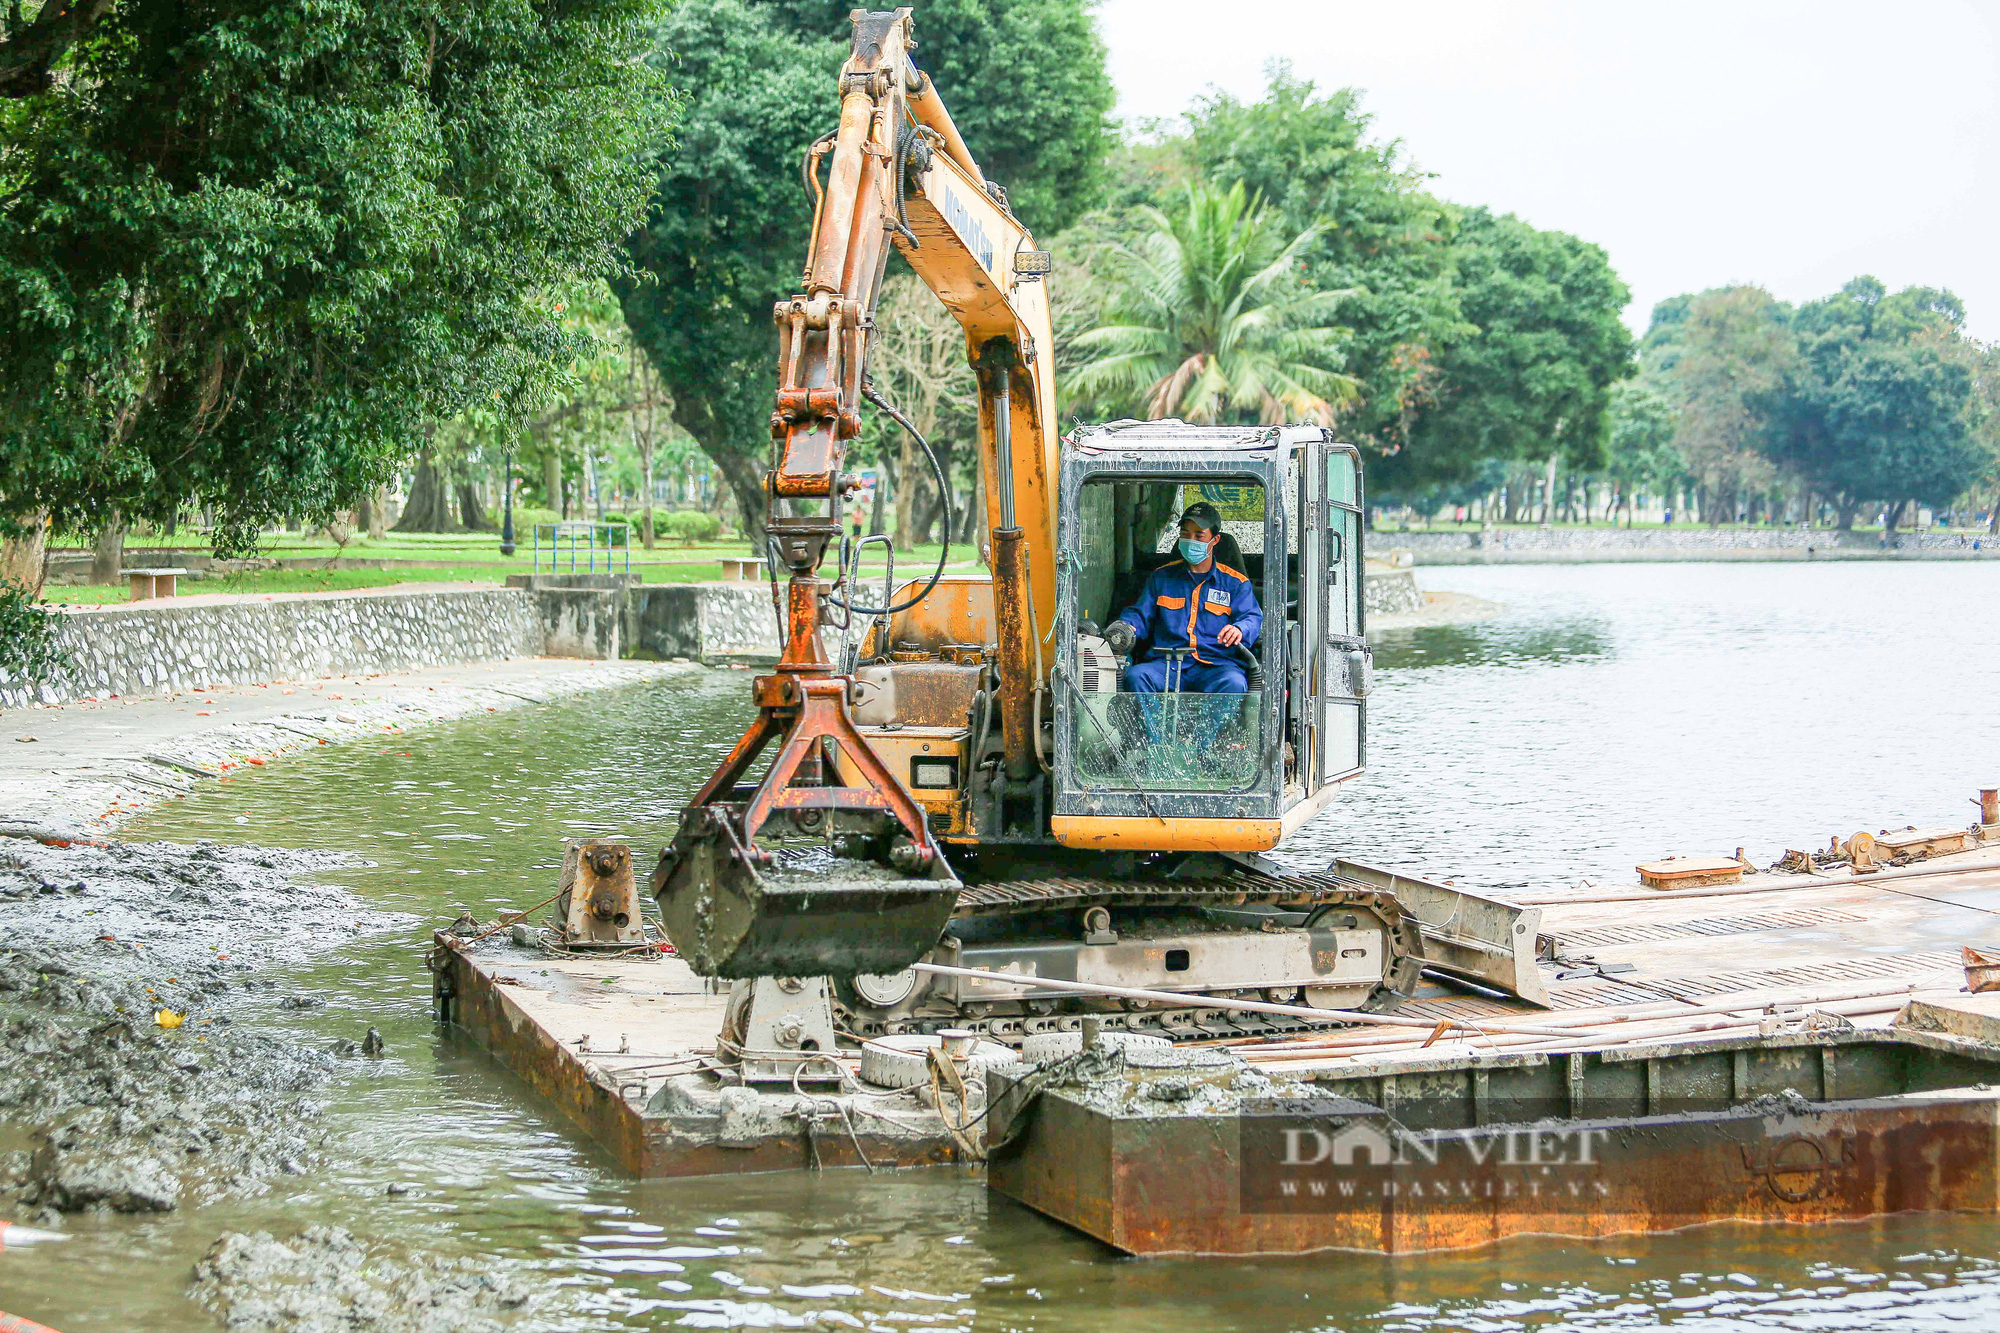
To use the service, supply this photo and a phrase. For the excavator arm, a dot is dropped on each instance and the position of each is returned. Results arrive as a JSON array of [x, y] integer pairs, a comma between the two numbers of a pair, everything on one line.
[[896, 173]]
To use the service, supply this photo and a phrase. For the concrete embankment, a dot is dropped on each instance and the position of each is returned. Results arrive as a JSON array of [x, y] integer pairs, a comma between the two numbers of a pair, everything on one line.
[[202, 641], [1553, 546]]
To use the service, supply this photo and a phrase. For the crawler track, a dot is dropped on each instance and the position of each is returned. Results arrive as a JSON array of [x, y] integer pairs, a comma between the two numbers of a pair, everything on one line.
[[1319, 895]]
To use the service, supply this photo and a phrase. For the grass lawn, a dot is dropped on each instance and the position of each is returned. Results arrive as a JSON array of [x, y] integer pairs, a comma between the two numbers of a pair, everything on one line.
[[667, 564], [465, 547]]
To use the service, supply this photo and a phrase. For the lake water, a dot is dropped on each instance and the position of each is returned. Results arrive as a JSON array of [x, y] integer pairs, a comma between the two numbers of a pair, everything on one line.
[[1612, 714]]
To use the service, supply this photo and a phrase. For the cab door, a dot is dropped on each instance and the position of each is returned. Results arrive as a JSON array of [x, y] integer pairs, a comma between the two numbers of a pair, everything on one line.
[[1343, 664]]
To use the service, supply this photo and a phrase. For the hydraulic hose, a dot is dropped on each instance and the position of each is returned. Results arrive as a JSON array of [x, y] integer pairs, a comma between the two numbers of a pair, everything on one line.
[[944, 494]]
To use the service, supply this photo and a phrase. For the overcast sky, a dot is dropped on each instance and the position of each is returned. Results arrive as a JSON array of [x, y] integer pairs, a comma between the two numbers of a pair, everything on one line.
[[1790, 145]]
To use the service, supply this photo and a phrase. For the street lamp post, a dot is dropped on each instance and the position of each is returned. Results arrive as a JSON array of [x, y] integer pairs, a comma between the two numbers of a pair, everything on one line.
[[507, 507]]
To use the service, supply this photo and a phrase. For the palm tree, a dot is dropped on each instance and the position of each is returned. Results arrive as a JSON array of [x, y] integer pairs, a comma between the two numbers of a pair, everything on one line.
[[1212, 322]]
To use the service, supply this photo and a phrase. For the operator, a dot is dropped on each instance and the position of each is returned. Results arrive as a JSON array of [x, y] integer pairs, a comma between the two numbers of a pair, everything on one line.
[[1192, 613]]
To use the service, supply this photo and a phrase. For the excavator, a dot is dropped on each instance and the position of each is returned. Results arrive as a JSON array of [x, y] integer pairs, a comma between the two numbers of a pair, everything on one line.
[[968, 782]]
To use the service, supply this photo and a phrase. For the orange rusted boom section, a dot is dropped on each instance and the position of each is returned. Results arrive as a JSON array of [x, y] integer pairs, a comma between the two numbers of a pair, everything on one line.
[[897, 173]]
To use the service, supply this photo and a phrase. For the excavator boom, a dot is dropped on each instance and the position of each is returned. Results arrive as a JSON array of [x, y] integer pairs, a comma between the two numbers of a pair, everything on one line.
[[896, 173]]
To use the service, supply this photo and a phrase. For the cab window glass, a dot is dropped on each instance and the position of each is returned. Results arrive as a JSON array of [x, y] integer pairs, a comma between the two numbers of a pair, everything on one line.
[[1340, 486], [1191, 718]]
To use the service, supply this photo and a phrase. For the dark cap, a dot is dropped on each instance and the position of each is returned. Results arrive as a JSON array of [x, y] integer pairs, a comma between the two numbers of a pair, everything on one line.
[[1203, 515]]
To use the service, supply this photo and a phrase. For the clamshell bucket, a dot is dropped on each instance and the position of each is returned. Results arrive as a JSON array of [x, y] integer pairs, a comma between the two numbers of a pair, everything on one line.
[[734, 909], [827, 916]]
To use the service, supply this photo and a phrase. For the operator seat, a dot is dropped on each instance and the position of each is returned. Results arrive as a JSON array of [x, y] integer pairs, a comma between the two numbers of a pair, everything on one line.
[[1227, 552]]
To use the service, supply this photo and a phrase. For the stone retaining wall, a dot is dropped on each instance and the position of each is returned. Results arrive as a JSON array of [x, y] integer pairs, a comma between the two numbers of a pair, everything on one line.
[[1391, 592], [165, 646], [1567, 545], [184, 644], [709, 622]]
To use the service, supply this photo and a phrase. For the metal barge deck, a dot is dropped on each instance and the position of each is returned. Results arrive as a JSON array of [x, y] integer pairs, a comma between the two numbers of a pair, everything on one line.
[[1794, 1047], [1698, 1022]]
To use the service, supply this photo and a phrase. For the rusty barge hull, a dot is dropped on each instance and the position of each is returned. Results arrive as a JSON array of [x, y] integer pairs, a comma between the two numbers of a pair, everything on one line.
[[1568, 1145], [1762, 1121]]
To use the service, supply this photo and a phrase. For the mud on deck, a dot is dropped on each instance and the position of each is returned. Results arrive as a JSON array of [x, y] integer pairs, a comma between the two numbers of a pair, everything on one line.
[[618, 1044]]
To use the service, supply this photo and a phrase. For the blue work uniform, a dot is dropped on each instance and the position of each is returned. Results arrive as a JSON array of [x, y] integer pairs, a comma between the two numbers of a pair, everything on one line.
[[1183, 609]]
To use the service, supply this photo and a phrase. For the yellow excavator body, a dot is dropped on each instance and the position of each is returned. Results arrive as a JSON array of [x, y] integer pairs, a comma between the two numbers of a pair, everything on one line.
[[965, 768]]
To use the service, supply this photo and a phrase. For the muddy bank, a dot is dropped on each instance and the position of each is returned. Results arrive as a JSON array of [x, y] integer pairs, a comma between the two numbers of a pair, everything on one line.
[[1440, 608], [121, 911], [326, 1280], [134, 1120], [122, 1074], [135, 979], [126, 1083]]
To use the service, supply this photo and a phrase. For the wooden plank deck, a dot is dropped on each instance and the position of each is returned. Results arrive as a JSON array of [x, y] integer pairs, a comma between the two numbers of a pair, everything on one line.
[[1788, 940]]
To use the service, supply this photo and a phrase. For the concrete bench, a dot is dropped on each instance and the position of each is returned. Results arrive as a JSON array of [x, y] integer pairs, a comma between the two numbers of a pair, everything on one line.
[[151, 583], [742, 568]]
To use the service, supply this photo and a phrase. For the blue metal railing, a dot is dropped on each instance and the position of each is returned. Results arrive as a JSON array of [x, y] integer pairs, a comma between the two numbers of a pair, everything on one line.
[[577, 535]]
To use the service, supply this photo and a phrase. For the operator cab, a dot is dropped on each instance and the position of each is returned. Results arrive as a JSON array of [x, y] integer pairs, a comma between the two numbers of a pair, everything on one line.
[[1140, 754]]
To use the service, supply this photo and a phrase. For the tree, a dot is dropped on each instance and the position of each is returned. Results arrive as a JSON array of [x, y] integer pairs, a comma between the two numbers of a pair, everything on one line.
[[31, 49], [1640, 442], [1026, 85], [1983, 361], [648, 406], [1893, 425], [1532, 377], [1878, 407], [251, 253], [591, 413], [1212, 321], [429, 507], [1722, 353], [1383, 238], [1875, 408]]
